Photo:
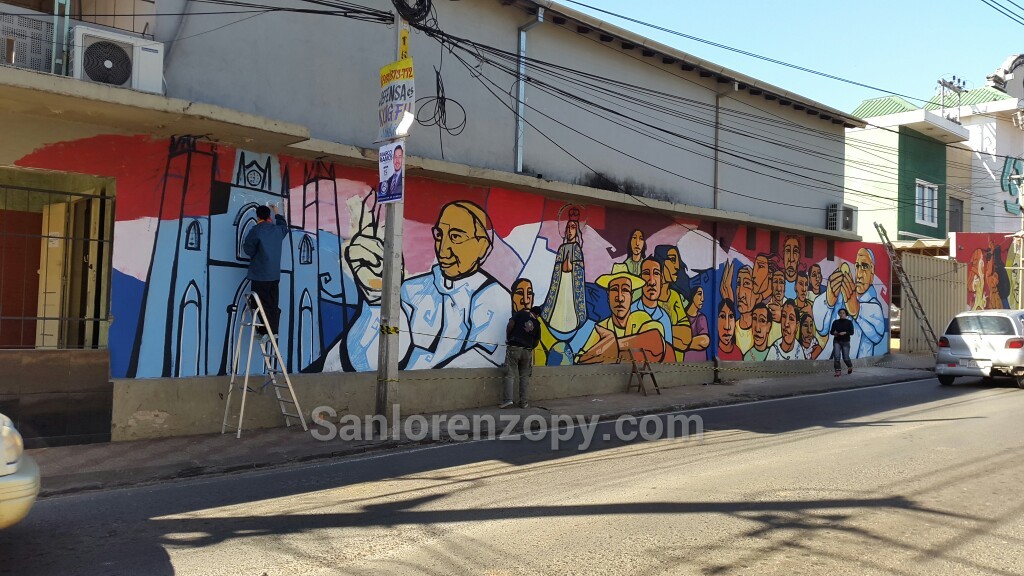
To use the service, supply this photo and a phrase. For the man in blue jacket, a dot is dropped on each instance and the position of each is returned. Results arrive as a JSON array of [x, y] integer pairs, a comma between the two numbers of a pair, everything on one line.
[[263, 245]]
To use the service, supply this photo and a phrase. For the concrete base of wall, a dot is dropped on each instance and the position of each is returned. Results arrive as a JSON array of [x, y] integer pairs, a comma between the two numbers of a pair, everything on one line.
[[162, 407]]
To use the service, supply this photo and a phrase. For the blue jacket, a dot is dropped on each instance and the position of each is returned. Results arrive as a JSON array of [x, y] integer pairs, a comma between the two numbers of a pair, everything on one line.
[[263, 245]]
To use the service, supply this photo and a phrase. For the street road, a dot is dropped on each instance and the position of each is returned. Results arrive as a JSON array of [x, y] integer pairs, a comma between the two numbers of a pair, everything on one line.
[[901, 479]]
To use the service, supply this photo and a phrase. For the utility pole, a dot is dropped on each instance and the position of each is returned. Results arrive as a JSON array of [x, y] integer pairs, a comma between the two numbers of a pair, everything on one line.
[[391, 305], [957, 86]]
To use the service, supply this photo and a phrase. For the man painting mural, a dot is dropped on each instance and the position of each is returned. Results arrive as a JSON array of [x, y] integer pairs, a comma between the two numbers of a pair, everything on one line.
[[623, 331], [452, 316], [791, 263], [858, 296]]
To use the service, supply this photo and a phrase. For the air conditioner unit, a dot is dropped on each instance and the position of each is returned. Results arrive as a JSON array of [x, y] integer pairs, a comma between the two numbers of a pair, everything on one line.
[[841, 217], [117, 59]]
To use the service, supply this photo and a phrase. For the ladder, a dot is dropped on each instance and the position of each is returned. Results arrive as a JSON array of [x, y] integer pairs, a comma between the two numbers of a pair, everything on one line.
[[639, 370], [908, 288], [272, 361]]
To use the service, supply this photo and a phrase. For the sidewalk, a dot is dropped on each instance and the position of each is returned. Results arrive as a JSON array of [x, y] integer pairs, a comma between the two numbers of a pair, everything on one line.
[[76, 468]]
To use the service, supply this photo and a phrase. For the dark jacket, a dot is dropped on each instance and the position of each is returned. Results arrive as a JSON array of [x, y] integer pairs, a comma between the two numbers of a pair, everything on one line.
[[842, 325], [263, 245], [523, 330]]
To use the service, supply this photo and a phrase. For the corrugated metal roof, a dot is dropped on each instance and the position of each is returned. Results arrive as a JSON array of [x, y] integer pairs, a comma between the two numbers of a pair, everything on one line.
[[972, 97], [883, 106]]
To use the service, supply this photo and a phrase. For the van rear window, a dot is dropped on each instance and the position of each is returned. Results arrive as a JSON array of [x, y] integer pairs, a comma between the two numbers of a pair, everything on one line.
[[988, 325]]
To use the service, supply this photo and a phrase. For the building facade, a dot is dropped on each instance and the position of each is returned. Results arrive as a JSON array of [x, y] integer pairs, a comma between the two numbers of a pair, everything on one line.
[[664, 210]]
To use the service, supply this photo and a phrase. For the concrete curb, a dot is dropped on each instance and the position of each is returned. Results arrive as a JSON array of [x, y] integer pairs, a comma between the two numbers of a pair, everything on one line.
[[65, 484]]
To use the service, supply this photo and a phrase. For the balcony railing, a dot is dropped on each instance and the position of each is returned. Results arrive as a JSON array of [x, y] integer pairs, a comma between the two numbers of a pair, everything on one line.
[[26, 35]]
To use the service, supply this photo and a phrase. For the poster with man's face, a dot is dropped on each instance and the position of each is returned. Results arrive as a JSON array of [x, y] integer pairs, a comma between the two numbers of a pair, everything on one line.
[[391, 167]]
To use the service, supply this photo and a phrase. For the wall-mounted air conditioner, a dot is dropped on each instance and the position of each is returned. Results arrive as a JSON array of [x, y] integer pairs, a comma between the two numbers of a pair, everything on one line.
[[117, 59], [841, 217]]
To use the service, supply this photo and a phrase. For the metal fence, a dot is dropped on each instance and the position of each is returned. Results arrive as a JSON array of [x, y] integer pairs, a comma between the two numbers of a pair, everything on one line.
[[55, 268]]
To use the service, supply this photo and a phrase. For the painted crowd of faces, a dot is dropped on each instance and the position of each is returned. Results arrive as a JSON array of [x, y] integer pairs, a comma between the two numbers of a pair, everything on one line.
[[647, 306]]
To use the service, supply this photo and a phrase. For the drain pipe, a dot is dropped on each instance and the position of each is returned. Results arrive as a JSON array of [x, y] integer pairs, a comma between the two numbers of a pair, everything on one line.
[[715, 240], [521, 89]]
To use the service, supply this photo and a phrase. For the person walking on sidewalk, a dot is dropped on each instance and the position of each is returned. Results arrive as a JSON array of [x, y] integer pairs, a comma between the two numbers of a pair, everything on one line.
[[263, 245], [841, 330], [522, 335]]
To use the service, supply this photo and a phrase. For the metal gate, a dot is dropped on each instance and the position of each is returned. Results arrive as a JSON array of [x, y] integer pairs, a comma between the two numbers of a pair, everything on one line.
[[940, 284], [55, 267]]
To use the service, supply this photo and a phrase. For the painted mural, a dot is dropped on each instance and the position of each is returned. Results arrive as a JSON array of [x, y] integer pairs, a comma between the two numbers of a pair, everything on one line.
[[990, 285], [611, 283]]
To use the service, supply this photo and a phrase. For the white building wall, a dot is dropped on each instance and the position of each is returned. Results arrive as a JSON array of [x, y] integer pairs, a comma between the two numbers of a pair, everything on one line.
[[321, 72], [993, 137], [872, 173]]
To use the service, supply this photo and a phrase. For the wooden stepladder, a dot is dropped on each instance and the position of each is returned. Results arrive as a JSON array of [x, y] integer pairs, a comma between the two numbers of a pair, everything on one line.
[[272, 361], [641, 368]]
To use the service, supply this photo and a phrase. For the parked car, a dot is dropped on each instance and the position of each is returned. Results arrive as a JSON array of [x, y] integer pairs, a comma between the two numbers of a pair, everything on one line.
[[894, 321], [986, 343], [19, 476]]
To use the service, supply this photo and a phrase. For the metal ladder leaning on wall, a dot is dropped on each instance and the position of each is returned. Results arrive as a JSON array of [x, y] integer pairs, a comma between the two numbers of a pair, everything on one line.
[[908, 288], [272, 361]]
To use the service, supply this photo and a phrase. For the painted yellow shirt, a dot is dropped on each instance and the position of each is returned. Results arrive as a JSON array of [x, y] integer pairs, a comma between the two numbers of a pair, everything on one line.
[[676, 306], [637, 323]]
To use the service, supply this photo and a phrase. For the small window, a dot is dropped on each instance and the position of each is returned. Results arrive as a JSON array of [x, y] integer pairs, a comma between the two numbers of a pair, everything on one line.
[[305, 250], [831, 250], [193, 236], [751, 238], [775, 242], [243, 231], [926, 204], [808, 247]]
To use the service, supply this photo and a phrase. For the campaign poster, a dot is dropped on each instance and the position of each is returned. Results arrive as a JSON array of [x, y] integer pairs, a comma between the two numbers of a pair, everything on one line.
[[391, 168]]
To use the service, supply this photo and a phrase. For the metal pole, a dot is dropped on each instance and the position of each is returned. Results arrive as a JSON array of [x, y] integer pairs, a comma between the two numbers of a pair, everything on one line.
[[1018, 241], [391, 306], [521, 89]]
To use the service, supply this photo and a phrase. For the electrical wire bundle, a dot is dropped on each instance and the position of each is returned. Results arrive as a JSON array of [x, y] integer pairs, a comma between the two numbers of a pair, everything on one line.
[[414, 13]]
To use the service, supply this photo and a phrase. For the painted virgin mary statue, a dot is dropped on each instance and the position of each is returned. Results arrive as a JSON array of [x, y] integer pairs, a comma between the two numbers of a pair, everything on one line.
[[565, 307]]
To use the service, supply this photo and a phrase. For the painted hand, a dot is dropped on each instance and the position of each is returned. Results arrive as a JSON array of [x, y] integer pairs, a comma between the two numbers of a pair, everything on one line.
[[365, 252]]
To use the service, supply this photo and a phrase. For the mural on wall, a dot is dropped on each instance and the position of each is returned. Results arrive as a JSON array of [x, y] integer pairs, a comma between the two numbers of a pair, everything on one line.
[[990, 285], [611, 283]]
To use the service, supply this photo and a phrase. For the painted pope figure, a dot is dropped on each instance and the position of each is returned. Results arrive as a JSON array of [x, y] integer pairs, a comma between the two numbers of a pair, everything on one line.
[[856, 293], [452, 316]]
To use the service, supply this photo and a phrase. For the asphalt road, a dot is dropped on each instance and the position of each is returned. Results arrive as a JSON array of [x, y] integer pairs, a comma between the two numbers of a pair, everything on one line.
[[900, 479]]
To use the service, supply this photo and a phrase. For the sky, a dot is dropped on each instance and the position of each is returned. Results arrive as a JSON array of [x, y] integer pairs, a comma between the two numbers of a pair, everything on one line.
[[903, 46]]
